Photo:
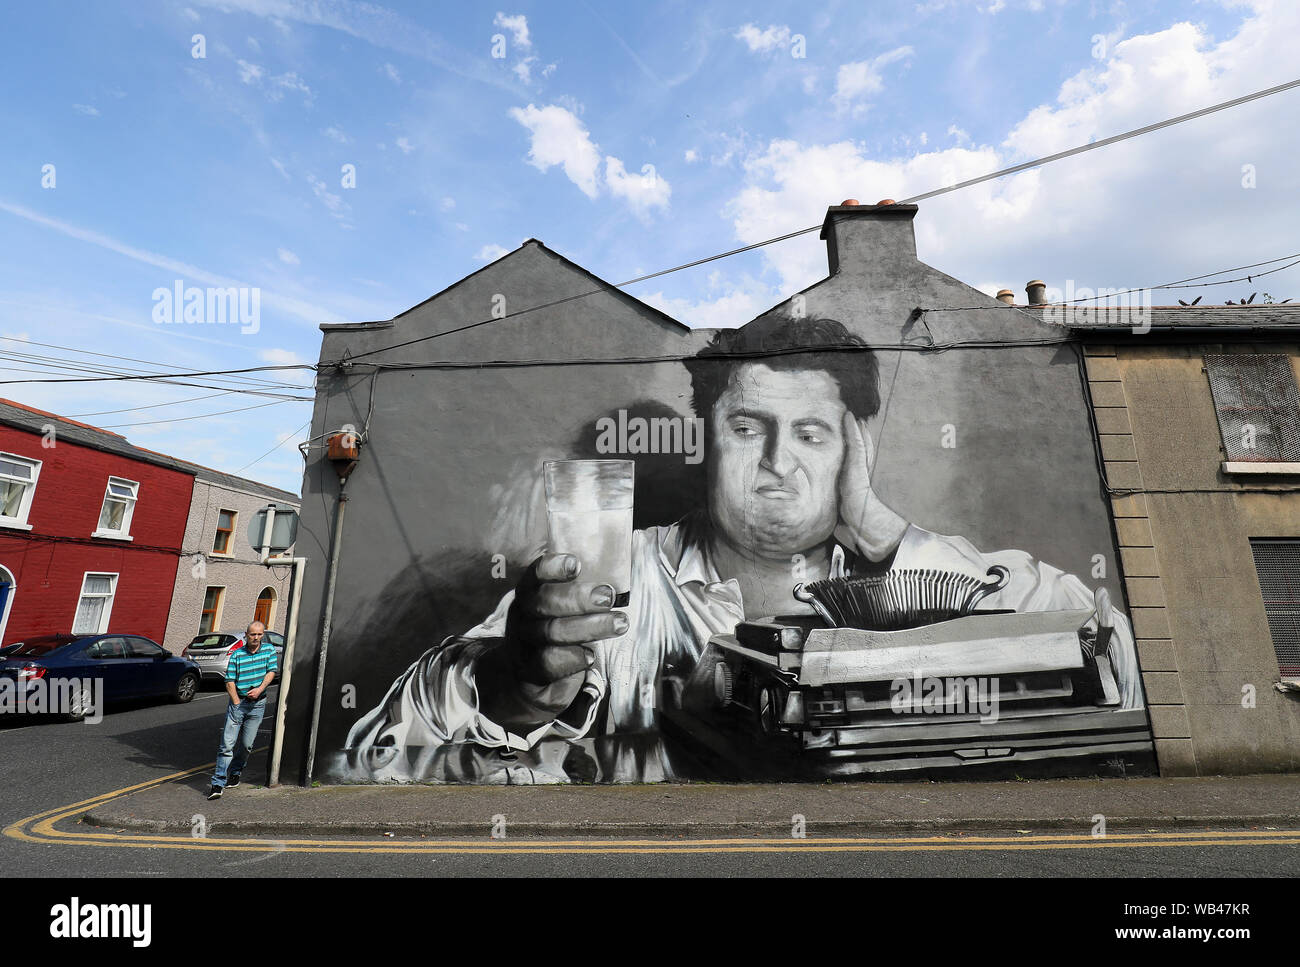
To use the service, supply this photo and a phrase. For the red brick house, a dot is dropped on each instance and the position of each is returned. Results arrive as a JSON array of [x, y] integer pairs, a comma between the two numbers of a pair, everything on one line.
[[91, 528]]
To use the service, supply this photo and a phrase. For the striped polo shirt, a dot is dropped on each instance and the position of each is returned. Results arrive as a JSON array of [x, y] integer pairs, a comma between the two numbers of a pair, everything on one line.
[[247, 670]]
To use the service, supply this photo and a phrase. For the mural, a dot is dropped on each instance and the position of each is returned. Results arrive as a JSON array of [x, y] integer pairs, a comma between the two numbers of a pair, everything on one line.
[[792, 625]]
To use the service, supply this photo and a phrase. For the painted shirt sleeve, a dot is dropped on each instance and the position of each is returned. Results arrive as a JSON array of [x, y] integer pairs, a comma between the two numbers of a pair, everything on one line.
[[1034, 586]]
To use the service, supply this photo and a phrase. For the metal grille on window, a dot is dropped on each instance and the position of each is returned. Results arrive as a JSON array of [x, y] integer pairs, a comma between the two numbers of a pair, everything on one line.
[[1278, 564], [1258, 405]]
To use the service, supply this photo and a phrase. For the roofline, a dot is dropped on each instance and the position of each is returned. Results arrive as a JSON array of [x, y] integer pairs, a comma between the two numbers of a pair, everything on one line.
[[362, 326]]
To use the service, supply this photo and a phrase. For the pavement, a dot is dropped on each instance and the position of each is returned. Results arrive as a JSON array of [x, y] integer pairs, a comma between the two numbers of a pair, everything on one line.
[[686, 810]]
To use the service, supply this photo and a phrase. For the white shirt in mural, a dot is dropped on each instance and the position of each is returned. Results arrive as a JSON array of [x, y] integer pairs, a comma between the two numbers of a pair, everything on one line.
[[429, 726]]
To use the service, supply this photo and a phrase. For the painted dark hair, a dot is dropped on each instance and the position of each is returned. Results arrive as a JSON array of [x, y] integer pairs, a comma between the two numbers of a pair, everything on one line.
[[856, 371]]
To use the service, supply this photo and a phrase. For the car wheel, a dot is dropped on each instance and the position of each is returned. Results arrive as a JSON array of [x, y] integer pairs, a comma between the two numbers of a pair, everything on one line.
[[186, 687], [79, 704]]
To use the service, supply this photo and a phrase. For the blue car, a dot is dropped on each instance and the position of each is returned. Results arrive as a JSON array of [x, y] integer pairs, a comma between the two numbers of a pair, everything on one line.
[[69, 674]]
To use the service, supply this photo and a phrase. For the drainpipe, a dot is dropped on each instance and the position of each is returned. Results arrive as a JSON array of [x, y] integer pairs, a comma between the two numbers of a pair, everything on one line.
[[286, 670], [343, 453]]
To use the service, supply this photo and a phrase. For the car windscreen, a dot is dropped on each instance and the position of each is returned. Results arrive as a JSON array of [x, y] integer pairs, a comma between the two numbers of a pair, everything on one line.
[[213, 641], [36, 647]]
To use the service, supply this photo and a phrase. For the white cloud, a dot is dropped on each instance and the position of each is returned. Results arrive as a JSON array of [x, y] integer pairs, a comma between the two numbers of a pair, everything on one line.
[[173, 267], [334, 203], [997, 6], [762, 41], [517, 25], [642, 191], [249, 73], [490, 253], [692, 156], [392, 73], [447, 203], [86, 109], [405, 145], [559, 138], [723, 307], [1060, 222], [335, 133], [279, 166], [289, 83], [863, 77], [252, 42], [191, 13], [287, 257], [524, 69]]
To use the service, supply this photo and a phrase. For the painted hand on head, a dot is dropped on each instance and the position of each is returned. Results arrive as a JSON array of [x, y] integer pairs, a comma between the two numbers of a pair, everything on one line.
[[866, 524]]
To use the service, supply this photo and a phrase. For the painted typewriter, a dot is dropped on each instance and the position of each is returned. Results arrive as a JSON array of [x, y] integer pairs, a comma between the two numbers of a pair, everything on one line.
[[900, 674]]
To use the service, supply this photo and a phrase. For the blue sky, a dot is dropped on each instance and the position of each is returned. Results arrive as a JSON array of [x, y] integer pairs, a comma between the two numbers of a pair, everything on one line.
[[227, 169]]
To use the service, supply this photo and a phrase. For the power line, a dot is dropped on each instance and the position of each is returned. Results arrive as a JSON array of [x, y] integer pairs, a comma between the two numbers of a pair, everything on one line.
[[149, 376], [1038, 162], [273, 449], [132, 409], [201, 416], [109, 355]]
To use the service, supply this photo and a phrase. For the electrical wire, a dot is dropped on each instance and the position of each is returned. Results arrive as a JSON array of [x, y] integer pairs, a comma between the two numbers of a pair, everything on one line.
[[273, 449], [132, 409], [200, 416], [121, 378], [1037, 162]]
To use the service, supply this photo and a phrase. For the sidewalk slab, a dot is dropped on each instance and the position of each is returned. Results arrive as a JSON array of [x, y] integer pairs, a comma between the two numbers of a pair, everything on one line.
[[709, 810]]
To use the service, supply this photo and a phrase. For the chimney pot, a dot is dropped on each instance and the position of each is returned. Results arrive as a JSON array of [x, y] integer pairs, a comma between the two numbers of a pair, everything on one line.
[[849, 203], [1007, 296], [886, 201], [1037, 292]]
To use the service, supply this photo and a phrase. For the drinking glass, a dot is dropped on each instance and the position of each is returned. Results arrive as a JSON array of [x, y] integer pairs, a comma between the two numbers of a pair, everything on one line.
[[589, 512]]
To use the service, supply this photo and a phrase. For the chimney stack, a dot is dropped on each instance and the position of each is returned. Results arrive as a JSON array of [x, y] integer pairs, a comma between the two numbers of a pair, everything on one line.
[[874, 241], [1037, 292]]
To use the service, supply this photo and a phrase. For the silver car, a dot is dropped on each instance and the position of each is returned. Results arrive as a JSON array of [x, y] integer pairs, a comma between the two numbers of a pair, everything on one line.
[[212, 651]]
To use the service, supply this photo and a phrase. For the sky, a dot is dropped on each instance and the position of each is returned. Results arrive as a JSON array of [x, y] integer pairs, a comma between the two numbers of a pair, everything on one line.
[[342, 161]]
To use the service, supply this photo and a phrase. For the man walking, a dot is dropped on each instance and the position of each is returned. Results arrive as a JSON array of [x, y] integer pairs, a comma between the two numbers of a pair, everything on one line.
[[248, 675]]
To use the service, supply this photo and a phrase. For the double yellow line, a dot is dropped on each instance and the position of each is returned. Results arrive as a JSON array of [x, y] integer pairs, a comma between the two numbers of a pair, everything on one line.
[[43, 828]]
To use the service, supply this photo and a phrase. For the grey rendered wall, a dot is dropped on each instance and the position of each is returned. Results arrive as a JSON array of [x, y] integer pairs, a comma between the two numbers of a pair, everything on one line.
[[448, 448]]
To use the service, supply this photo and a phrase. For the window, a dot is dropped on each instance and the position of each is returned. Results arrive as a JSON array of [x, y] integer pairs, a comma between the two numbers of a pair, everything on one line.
[[96, 603], [1258, 406], [225, 527], [119, 505], [17, 487], [1278, 564], [144, 648], [108, 648], [265, 606], [211, 616]]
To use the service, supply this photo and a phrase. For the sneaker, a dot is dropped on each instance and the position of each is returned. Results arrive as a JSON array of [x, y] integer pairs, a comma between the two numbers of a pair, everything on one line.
[[214, 792], [233, 781]]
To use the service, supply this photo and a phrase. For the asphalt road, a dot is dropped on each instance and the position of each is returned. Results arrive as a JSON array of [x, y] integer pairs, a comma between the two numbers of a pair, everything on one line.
[[49, 764]]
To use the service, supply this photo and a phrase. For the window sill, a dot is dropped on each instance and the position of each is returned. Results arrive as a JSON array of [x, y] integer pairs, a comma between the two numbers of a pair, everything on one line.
[[112, 536], [1239, 466], [226, 556], [14, 525]]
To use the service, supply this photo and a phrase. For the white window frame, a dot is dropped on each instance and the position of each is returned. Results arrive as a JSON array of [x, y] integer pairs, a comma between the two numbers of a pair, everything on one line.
[[124, 534], [20, 522], [108, 608]]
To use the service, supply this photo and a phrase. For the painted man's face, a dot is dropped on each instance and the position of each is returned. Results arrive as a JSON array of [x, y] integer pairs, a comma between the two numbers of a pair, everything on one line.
[[775, 453]]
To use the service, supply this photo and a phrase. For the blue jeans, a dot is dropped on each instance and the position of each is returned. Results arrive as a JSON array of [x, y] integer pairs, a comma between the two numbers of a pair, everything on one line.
[[238, 737]]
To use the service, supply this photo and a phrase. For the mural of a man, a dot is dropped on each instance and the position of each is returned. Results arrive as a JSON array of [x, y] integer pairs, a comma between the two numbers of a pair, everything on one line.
[[557, 684]]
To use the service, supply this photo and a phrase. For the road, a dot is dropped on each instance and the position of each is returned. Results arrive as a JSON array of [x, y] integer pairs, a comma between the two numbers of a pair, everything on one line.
[[50, 764]]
